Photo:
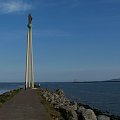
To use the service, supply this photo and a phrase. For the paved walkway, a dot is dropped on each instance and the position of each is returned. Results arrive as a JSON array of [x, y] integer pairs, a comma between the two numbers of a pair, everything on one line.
[[24, 106]]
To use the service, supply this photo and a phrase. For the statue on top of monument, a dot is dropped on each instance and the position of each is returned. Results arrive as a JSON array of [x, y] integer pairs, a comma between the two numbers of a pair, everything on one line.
[[29, 20]]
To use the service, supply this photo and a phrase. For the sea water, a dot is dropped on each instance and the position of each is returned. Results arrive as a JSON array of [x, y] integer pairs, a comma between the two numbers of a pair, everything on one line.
[[4, 87]]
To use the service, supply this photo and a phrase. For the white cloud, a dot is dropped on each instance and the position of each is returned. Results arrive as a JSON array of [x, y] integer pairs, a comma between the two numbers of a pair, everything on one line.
[[11, 6]]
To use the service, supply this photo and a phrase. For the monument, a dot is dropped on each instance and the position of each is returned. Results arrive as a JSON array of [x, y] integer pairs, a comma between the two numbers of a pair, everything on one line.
[[29, 75]]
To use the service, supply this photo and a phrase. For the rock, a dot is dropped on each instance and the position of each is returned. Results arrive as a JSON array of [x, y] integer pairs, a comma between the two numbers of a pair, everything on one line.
[[74, 106], [56, 106], [67, 101], [46, 98], [51, 99], [86, 114], [64, 111], [44, 94], [72, 115], [103, 117], [68, 113], [56, 96], [80, 110], [56, 118], [59, 92]]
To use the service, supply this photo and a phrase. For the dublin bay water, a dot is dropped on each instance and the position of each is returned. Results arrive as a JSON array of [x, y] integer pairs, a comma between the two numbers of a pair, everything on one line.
[[104, 95], [4, 87]]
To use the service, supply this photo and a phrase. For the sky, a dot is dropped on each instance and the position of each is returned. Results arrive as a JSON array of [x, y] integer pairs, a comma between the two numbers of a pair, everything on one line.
[[72, 39]]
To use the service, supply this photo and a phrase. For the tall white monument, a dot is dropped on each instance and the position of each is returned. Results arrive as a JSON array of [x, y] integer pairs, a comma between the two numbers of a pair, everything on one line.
[[29, 77]]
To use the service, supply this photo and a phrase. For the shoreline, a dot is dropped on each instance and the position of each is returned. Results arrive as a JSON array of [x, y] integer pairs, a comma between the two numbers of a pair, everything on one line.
[[4, 97], [4, 91], [75, 110], [7, 91]]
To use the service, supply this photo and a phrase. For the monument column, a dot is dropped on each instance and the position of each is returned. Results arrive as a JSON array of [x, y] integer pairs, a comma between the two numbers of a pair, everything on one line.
[[29, 77]]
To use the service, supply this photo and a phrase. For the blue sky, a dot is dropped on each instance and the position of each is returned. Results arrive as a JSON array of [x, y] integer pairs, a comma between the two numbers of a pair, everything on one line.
[[72, 39]]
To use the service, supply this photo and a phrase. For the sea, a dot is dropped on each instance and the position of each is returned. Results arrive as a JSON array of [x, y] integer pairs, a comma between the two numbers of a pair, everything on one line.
[[104, 96]]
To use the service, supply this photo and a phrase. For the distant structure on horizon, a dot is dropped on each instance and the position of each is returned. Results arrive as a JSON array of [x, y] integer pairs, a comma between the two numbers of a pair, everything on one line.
[[29, 75]]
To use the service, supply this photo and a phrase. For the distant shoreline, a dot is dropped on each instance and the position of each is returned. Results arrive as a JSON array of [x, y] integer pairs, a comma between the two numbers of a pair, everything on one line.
[[77, 81], [95, 81]]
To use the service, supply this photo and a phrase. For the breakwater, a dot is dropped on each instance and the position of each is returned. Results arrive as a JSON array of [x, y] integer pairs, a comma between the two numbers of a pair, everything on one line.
[[8, 95], [71, 110]]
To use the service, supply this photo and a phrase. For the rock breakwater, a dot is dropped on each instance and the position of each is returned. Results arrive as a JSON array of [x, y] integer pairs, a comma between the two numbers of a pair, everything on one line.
[[71, 110], [8, 95]]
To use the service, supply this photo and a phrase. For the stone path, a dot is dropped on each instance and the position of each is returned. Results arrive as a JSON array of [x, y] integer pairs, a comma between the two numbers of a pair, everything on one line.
[[24, 106]]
